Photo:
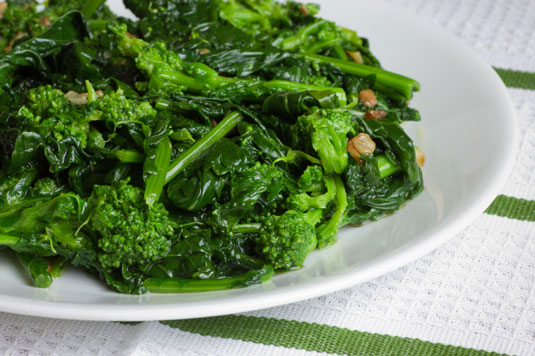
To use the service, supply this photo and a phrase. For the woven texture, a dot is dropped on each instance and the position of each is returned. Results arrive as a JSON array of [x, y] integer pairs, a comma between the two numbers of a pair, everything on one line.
[[477, 292]]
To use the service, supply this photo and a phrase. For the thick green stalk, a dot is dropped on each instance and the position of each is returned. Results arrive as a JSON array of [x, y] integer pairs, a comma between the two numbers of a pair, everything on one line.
[[8, 240], [292, 155], [400, 83], [98, 25], [201, 145], [247, 228], [127, 156], [294, 86], [321, 45], [159, 77], [178, 285], [200, 84], [386, 166], [301, 36], [156, 181], [328, 230], [91, 93]]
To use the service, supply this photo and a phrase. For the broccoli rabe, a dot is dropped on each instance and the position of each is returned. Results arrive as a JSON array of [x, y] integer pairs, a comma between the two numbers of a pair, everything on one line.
[[17, 21], [115, 109], [128, 231], [253, 16], [52, 115], [285, 241], [44, 228], [204, 147], [43, 102], [309, 182], [65, 126], [166, 71], [325, 132], [21, 20]]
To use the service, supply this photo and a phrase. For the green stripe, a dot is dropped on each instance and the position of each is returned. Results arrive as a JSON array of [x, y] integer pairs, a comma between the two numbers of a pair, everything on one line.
[[315, 337], [512, 208], [516, 78]]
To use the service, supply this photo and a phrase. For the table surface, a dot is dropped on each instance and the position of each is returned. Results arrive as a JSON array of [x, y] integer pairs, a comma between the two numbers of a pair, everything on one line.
[[472, 296]]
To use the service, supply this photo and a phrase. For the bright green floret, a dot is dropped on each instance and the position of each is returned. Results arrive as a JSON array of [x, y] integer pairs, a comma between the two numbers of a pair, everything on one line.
[[130, 233], [116, 109], [43, 102], [51, 114], [326, 131], [286, 240], [311, 180], [304, 201]]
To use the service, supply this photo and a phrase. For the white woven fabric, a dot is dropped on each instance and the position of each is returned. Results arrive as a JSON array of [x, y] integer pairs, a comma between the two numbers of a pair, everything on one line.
[[476, 291]]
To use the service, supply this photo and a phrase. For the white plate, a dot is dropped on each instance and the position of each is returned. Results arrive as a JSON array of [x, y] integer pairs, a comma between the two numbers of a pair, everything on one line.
[[469, 135]]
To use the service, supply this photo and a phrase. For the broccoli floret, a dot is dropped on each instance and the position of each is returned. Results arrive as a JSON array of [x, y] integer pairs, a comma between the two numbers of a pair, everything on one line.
[[286, 240], [130, 233], [115, 109], [51, 114], [46, 187], [148, 56], [43, 102], [304, 201], [311, 180], [326, 131]]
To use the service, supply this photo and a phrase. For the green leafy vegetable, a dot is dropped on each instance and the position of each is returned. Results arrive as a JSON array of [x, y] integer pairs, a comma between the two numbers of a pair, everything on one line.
[[206, 146]]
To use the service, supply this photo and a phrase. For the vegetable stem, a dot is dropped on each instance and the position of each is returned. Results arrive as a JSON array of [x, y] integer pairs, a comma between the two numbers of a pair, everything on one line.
[[98, 25], [327, 231], [201, 145], [247, 228], [8, 240], [156, 181], [198, 85], [128, 156], [294, 86], [386, 166], [400, 83], [179, 285], [91, 93], [56, 266], [301, 36]]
